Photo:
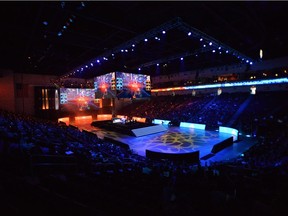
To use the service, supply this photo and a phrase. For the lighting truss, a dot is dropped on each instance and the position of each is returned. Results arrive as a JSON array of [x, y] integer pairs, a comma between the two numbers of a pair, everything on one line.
[[175, 23]]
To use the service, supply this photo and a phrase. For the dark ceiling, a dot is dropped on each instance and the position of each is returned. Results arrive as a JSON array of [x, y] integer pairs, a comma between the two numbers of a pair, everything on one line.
[[61, 37]]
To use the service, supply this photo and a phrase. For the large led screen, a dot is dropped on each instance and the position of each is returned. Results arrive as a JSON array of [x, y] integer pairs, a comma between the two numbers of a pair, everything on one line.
[[130, 85], [77, 99], [105, 86]]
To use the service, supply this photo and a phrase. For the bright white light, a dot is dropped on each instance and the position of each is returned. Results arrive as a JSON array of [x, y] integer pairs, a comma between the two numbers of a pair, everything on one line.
[[210, 43], [145, 39], [181, 59], [163, 32], [253, 90], [189, 33], [261, 53], [201, 39]]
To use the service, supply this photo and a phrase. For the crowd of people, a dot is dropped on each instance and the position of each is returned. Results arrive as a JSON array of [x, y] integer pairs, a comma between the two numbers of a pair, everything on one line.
[[50, 167]]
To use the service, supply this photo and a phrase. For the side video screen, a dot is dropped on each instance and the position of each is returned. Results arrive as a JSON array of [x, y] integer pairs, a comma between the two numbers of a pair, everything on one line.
[[77, 99]]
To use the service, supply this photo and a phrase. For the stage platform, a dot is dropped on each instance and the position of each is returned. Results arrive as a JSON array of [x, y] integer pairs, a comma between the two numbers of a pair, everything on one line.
[[131, 128], [177, 141]]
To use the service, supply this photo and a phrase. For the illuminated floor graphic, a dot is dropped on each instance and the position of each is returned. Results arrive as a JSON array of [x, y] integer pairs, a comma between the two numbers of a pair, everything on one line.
[[177, 140]]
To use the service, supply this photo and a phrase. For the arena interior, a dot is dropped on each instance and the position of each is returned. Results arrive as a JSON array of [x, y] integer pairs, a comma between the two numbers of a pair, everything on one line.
[[161, 108]]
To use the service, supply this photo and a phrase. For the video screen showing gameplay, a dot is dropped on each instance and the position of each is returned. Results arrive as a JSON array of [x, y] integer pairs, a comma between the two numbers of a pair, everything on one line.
[[122, 85], [129, 85], [77, 99]]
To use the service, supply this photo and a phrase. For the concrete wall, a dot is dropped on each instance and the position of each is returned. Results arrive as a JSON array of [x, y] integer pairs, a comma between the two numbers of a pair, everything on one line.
[[7, 91], [17, 90]]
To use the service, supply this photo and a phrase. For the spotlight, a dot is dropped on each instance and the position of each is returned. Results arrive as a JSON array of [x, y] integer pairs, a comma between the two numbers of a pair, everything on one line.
[[201, 39], [261, 53], [163, 32], [189, 33], [210, 43]]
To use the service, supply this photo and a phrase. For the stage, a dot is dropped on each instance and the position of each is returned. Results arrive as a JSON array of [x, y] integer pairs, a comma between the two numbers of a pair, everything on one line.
[[177, 141]]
